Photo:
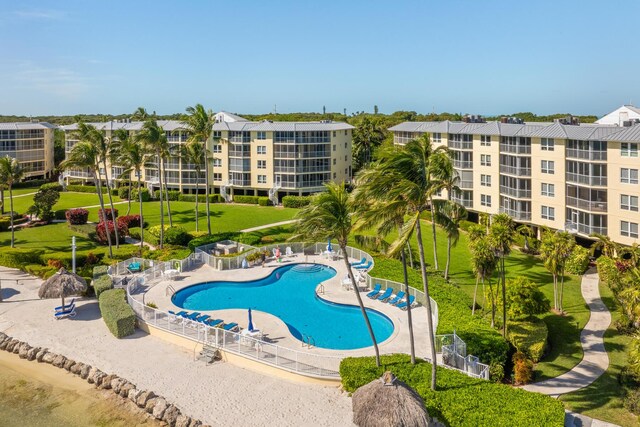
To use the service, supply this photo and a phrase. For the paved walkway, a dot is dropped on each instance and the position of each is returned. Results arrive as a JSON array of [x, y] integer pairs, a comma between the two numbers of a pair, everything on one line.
[[262, 227]]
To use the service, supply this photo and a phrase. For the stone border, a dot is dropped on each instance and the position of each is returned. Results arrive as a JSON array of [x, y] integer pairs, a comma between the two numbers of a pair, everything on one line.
[[146, 400]]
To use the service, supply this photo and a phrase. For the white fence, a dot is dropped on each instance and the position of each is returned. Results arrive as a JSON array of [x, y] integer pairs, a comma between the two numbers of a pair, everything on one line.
[[452, 348]]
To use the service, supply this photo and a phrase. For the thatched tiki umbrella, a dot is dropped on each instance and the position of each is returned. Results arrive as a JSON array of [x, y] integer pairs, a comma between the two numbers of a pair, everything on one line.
[[62, 284], [388, 402]]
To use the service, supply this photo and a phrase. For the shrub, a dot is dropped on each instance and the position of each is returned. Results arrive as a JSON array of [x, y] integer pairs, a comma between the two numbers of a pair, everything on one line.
[[296, 201], [529, 337], [17, 258], [60, 214], [231, 235], [117, 314], [524, 298], [177, 236], [108, 214], [77, 216], [608, 272], [169, 252], [101, 234], [578, 261], [123, 193], [39, 270], [55, 263], [51, 186], [101, 284], [134, 233], [275, 238], [155, 230], [264, 201], [174, 195], [43, 202], [91, 259], [460, 400], [122, 253], [145, 194], [252, 200], [632, 401], [213, 198], [85, 189], [30, 183], [522, 369], [130, 220]]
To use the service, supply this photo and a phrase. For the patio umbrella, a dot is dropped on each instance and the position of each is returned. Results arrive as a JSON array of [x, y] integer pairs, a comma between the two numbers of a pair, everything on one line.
[[250, 327], [61, 285], [329, 247], [389, 402]]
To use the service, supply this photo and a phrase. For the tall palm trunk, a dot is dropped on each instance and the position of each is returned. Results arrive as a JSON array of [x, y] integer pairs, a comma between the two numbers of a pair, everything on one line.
[[13, 243], [343, 247], [166, 189], [140, 208], [96, 177], [161, 204], [425, 285], [493, 304], [129, 198], [410, 255], [561, 290], [113, 211], [446, 268], [433, 229], [1, 201], [504, 299], [409, 319], [206, 190], [475, 294], [197, 196]]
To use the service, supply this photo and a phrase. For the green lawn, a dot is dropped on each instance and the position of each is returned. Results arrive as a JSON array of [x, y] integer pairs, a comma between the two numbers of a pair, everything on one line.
[[603, 398], [67, 200], [52, 238]]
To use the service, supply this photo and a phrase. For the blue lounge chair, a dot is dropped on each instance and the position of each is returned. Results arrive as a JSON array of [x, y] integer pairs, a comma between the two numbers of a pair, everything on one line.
[[397, 298], [387, 293], [203, 319], [213, 322], [230, 326], [375, 291], [362, 261], [403, 305], [364, 266], [178, 314], [66, 306], [70, 312], [134, 267], [193, 316]]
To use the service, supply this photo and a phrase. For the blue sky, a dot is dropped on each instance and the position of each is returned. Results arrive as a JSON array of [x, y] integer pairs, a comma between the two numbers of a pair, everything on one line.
[[482, 57]]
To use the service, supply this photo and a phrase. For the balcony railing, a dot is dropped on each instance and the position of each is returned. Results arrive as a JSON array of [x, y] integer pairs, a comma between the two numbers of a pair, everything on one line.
[[586, 179], [513, 192], [460, 145], [466, 184], [515, 149], [586, 204], [462, 164], [467, 203], [516, 214], [517, 171], [586, 154], [573, 227]]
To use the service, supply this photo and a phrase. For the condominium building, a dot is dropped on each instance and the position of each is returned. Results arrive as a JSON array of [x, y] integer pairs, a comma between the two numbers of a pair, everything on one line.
[[582, 178], [247, 158], [31, 143]]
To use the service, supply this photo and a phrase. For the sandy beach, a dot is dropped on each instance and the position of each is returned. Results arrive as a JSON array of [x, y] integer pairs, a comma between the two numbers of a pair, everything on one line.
[[219, 394]]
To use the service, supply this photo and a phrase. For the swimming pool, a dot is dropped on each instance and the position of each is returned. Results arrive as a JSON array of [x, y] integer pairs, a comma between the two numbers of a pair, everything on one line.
[[289, 293]]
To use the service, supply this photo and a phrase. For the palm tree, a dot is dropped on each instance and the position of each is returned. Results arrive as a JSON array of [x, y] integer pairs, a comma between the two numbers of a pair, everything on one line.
[[330, 215], [199, 123], [132, 156], [567, 243], [501, 237], [550, 258], [85, 155], [375, 210], [605, 245], [10, 173], [483, 261], [527, 232], [141, 114], [449, 215], [153, 137], [367, 135], [194, 153]]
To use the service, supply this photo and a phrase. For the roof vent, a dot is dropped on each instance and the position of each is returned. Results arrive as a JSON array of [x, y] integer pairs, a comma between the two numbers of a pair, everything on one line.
[[629, 123], [568, 120], [473, 119], [512, 120]]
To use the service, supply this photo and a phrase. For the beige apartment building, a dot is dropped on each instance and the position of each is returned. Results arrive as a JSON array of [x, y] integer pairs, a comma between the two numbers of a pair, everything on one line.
[[247, 158], [31, 143], [582, 178]]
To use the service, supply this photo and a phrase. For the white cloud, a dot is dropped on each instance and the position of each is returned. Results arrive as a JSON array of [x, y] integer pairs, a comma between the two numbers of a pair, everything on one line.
[[59, 81], [41, 14]]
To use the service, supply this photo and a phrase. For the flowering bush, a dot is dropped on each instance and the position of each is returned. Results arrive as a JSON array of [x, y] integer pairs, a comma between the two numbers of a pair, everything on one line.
[[101, 234], [108, 214], [130, 220], [77, 216]]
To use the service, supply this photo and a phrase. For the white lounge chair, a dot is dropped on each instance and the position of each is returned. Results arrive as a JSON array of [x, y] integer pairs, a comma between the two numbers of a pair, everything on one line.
[[288, 252]]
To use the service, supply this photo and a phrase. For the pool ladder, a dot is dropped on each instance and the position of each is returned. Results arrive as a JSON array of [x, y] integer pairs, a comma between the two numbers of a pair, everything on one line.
[[321, 289], [308, 341], [170, 290]]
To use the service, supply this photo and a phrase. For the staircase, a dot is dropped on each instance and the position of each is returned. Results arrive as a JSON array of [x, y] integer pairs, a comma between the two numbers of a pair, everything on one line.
[[273, 192], [224, 190]]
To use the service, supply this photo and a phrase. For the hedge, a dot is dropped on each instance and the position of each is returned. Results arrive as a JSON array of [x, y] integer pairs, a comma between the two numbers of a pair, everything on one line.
[[66, 258], [578, 261], [101, 232], [77, 216], [51, 186], [145, 194], [264, 201], [528, 336], [251, 200], [117, 314], [123, 193], [17, 258], [108, 214], [31, 183], [42, 271], [85, 189], [459, 400], [134, 233], [213, 198], [296, 201], [231, 235], [608, 272], [177, 236], [130, 220], [101, 283]]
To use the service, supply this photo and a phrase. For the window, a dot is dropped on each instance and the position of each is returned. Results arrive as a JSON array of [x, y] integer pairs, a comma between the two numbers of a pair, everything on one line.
[[548, 166], [485, 180], [334, 133], [262, 179], [262, 164], [262, 135], [262, 149], [346, 132], [217, 134], [437, 137], [629, 149], [345, 158], [629, 229], [485, 160], [334, 147], [628, 176], [217, 163], [217, 176], [217, 148], [548, 213], [547, 144], [334, 161], [334, 175], [548, 190], [485, 200], [485, 140], [629, 203], [345, 145]]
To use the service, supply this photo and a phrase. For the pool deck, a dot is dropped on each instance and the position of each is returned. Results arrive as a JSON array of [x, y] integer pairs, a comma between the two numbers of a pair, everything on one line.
[[275, 329]]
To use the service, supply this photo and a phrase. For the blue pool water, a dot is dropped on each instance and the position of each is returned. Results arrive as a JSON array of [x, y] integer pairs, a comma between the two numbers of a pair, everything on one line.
[[289, 293]]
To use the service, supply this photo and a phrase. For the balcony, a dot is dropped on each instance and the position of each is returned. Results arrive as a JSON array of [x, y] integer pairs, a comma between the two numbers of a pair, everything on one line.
[[586, 204], [462, 164], [515, 149], [466, 185], [586, 179], [516, 214], [587, 230], [513, 170], [514, 192], [460, 145], [586, 154], [467, 203]]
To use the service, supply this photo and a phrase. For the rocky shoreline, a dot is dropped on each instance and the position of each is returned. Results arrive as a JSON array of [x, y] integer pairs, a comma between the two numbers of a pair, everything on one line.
[[156, 406]]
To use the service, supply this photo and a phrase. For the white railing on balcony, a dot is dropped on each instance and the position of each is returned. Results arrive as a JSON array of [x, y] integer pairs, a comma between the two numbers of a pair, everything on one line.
[[586, 154], [515, 149], [586, 204], [514, 170], [460, 145], [586, 179], [462, 164], [466, 184], [516, 214], [513, 192], [587, 230]]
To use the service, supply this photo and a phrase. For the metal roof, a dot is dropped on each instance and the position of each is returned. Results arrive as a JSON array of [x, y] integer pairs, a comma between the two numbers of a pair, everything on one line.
[[167, 125], [626, 134], [26, 125], [281, 126]]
